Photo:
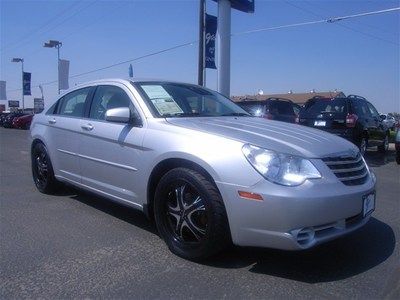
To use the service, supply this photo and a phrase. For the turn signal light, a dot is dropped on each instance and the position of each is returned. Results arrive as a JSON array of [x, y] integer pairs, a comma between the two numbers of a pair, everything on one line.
[[250, 196]]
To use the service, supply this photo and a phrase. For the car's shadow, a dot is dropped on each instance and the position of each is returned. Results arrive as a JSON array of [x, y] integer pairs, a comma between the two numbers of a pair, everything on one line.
[[336, 260], [117, 210], [376, 159]]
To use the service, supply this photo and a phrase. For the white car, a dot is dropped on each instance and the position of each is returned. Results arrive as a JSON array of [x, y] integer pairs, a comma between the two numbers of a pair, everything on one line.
[[389, 121]]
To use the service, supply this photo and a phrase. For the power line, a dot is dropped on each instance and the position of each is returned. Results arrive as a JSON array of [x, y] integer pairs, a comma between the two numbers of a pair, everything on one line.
[[118, 64], [29, 34], [329, 20], [57, 25], [337, 19]]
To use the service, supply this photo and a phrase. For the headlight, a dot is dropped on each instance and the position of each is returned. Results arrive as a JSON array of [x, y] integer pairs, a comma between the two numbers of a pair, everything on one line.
[[280, 168]]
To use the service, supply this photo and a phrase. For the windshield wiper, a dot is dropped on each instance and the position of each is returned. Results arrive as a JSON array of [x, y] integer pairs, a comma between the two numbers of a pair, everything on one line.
[[183, 114], [236, 114]]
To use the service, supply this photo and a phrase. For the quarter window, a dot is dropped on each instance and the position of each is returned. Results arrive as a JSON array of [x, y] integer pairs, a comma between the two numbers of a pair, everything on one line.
[[108, 97], [73, 104]]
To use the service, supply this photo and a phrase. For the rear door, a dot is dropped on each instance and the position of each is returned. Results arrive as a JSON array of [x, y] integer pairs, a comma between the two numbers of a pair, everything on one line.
[[110, 152], [325, 114], [377, 128], [65, 133]]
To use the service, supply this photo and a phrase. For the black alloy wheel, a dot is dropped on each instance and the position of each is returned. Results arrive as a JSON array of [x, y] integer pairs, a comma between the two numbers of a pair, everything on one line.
[[42, 170], [190, 214]]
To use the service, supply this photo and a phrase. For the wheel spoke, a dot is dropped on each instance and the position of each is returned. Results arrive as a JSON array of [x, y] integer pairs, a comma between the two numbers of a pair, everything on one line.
[[197, 205], [196, 231], [179, 192], [174, 211], [179, 227]]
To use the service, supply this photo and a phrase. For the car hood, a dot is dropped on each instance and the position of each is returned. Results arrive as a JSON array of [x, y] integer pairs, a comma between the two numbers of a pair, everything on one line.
[[283, 137]]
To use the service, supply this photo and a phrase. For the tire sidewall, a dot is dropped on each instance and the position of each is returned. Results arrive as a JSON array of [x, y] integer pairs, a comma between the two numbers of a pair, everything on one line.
[[50, 180], [186, 250]]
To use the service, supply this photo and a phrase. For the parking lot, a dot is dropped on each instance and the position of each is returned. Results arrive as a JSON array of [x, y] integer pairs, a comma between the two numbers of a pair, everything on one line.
[[78, 245]]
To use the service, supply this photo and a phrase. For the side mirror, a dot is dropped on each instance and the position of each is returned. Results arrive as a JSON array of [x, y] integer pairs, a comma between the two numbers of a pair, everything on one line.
[[120, 115]]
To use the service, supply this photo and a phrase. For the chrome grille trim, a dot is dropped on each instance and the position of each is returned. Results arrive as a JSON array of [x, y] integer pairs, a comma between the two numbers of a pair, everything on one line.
[[349, 170]]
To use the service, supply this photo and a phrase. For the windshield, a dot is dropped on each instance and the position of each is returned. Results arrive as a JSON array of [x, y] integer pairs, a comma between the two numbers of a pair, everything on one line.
[[318, 106], [169, 100]]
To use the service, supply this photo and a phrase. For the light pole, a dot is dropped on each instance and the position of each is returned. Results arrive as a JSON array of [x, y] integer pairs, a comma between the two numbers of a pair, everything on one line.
[[21, 60], [57, 45]]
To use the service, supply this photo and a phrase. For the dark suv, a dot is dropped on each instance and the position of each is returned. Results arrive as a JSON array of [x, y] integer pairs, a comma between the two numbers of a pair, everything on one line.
[[278, 109], [351, 117]]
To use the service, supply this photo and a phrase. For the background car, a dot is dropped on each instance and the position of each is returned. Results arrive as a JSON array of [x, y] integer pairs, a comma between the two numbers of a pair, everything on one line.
[[389, 121], [3, 116], [7, 123], [278, 109], [23, 122], [351, 117]]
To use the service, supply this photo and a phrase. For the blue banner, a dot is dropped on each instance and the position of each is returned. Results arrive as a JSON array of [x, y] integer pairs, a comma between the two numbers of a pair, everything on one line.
[[242, 5], [27, 83], [211, 31]]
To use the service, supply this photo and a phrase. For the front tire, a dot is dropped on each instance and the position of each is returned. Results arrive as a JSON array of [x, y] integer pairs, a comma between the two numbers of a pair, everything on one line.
[[42, 170], [190, 214]]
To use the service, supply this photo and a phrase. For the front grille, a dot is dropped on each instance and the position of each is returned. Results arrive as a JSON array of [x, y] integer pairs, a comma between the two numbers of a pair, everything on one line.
[[349, 170]]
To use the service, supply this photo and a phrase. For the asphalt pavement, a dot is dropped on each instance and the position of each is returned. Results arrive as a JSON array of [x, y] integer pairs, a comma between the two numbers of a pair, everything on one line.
[[78, 245]]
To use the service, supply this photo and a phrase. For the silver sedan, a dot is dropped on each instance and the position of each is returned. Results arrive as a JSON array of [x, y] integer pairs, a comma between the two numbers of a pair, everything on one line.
[[207, 172]]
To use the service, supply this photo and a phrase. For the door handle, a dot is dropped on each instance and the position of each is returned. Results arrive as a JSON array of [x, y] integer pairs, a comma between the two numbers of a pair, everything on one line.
[[52, 121], [87, 127]]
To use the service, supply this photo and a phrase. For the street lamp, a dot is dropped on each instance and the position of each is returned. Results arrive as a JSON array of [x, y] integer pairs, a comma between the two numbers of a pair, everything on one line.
[[21, 60], [57, 45]]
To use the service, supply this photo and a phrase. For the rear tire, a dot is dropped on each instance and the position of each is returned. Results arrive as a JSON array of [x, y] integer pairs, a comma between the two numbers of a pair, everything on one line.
[[385, 146], [190, 214], [42, 170]]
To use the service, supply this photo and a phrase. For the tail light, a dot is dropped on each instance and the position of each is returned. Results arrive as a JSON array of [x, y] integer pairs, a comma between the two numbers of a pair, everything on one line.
[[351, 120]]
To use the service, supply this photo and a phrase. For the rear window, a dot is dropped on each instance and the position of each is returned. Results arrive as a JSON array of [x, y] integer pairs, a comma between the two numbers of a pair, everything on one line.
[[318, 106], [281, 108], [253, 108]]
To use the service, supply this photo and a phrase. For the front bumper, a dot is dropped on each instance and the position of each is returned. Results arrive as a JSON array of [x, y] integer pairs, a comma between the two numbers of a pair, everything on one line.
[[295, 218]]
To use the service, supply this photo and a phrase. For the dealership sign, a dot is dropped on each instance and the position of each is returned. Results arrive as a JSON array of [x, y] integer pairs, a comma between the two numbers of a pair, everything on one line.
[[211, 31], [13, 103], [242, 5], [38, 105]]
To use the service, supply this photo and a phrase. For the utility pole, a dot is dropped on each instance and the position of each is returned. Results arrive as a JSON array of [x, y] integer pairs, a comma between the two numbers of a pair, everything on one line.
[[200, 80], [224, 47], [21, 60], [57, 45]]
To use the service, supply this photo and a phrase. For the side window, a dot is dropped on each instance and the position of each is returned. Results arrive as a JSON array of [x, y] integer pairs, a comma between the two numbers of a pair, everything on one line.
[[108, 97], [361, 108], [73, 104], [373, 110]]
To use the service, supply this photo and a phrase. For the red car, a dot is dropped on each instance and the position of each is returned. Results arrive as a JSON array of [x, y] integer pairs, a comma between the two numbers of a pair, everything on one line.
[[23, 122]]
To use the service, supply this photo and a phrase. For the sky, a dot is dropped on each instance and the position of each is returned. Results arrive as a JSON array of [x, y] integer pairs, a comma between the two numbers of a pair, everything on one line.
[[358, 56]]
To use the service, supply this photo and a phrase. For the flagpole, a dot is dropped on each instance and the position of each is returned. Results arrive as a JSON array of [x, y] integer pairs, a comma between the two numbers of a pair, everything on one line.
[[23, 98], [200, 80], [58, 64]]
